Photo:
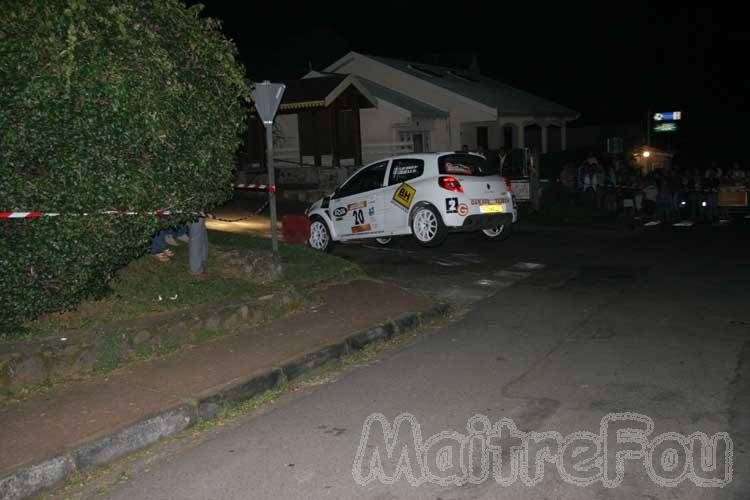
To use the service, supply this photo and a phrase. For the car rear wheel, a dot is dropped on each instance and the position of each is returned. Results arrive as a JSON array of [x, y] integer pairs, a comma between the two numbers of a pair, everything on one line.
[[499, 233], [427, 227], [320, 236]]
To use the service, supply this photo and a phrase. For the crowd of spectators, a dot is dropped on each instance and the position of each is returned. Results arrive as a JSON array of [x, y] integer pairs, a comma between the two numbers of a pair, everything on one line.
[[666, 194]]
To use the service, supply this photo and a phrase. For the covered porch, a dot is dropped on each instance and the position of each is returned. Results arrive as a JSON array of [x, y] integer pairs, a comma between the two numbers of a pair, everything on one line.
[[317, 125], [541, 134]]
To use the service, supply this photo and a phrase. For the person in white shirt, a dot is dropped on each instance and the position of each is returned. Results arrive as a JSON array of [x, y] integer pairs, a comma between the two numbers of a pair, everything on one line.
[[737, 172]]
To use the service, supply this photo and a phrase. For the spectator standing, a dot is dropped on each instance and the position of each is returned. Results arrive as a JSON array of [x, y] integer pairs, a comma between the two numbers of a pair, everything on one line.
[[664, 201], [696, 195], [711, 188], [598, 182], [737, 172], [650, 195], [502, 157]]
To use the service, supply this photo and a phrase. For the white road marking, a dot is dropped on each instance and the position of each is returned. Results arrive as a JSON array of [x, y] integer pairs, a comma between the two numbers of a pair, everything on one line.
[[486, 282], [513, 275], [448, 263], [467, 257], [528, 266]]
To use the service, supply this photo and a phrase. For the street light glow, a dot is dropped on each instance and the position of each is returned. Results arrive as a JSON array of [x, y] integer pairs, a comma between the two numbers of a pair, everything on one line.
[[646, 154]]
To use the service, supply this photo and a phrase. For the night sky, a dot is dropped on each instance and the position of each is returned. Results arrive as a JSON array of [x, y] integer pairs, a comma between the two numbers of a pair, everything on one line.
[[610, 61]]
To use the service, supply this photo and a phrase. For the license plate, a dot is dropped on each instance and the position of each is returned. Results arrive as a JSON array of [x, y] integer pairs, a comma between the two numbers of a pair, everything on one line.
[[491, 209]]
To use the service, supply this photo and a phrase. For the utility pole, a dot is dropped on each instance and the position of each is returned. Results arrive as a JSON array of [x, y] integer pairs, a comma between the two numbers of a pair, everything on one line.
[[648, 141]]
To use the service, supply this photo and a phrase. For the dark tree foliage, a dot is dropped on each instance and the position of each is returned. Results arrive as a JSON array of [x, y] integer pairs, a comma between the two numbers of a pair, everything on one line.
[[105, 105]]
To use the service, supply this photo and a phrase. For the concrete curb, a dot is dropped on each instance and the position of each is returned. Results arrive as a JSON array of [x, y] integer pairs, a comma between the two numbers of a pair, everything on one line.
[[46, 474]]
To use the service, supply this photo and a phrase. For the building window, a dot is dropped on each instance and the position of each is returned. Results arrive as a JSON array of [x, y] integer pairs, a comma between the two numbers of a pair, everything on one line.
[[420, 140], [482, 138], [508, 136]]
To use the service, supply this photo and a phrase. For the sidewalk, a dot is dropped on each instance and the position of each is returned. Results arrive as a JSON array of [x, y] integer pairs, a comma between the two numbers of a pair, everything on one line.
[[95, 421]]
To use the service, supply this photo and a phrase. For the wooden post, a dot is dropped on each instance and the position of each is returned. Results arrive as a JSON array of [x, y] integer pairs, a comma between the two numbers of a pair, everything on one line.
[[357, 137], [334, 136], [299, 136], [316, 145]]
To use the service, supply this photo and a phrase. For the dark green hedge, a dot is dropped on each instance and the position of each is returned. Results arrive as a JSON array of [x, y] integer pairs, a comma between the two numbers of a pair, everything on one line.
[[105, 105]]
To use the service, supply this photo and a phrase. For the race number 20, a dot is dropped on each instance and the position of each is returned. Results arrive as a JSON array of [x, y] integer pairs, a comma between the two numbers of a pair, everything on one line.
[[359, 217]]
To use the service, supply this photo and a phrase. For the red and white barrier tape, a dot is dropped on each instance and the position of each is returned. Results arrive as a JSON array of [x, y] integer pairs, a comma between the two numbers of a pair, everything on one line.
[[255, 187], [35, 215]]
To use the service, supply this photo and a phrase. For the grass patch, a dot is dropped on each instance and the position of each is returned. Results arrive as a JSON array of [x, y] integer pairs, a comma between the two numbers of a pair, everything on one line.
[[148, 287], [110, 354], [303, 266]]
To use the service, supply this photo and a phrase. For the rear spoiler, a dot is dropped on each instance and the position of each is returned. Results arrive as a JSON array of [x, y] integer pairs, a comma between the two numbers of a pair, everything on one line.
[[470, 153]]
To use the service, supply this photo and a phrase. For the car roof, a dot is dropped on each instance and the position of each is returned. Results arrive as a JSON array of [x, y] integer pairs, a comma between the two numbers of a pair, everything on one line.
[[425, 156]]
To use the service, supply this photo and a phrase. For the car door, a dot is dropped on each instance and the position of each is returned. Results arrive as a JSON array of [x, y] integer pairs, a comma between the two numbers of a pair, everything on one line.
[[400, 192], [357, 206]]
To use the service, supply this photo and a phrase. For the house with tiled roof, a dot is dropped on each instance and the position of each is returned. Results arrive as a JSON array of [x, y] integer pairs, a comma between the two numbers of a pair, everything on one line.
[[362, 108], [442, 108]]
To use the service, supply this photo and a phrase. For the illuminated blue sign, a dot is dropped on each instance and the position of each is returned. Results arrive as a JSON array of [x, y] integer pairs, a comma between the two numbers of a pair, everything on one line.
[[668, 116]]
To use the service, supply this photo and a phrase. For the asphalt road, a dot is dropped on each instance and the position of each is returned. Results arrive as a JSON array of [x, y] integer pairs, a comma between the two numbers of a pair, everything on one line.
[[655, 322]]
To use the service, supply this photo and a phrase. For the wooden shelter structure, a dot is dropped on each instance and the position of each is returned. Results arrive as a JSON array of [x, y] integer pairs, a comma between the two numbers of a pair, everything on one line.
[[327, 110]]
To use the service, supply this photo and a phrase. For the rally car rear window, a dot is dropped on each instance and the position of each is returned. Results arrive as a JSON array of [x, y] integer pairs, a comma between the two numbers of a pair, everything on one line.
[[463, 164]]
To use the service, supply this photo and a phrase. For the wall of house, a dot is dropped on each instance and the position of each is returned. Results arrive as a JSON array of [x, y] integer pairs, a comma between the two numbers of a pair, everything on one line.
[[377, 127], [441, 135], [459, 109], [286, 146], [469, 134], [376, 124]]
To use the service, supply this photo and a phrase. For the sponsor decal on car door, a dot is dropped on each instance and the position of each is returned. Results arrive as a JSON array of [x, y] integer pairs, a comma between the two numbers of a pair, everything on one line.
[[358, 212], [403, 181], [357, 215]]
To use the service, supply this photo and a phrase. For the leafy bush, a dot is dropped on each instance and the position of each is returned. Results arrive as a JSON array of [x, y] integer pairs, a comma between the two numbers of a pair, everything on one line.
[[127, 105]]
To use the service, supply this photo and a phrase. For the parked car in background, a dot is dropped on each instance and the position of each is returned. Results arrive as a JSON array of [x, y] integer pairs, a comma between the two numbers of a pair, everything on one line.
[[427, 195]]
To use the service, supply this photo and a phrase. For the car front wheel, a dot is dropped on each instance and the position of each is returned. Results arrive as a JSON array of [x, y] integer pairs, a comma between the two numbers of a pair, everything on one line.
[[320, 236], [427, 227]]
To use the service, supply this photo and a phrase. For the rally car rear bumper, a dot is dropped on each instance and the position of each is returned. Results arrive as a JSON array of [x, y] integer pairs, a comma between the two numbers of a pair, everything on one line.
[[483, 221]]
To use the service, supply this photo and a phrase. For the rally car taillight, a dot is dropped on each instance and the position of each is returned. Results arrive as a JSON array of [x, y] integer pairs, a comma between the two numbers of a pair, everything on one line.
[[450, 183], [508, 186]]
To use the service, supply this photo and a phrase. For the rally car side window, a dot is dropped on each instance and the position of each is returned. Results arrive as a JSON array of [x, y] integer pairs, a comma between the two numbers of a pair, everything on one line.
[[405, 169], [366, 180]]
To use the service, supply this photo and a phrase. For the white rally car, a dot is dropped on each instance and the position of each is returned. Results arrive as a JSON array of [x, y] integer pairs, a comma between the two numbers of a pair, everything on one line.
[[427, 195]]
